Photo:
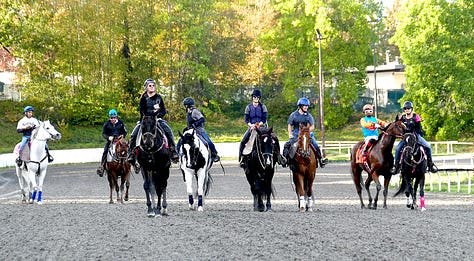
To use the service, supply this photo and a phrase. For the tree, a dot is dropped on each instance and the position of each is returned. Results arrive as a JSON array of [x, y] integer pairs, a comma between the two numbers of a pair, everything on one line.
[[436, 41]]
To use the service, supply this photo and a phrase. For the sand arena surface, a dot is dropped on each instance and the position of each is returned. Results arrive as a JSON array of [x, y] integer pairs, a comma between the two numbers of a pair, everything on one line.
[[77, 222]]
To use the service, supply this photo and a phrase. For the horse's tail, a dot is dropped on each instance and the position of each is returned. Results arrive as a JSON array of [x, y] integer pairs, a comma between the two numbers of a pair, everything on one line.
[[402, 187], [208, 183]]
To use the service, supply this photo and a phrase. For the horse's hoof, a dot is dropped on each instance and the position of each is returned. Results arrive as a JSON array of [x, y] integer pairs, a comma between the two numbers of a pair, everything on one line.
[[158, 216], [200, 208], [423, 209], [23, 201], [126, 198], [192, 207], [164, 212], [111, 202], [151, 213], [39, 202], [269, 210], [408, 206], [302, 209], [310, 210]]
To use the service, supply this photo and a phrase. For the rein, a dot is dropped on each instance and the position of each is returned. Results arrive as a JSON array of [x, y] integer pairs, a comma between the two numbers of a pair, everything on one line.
[[261, 155]]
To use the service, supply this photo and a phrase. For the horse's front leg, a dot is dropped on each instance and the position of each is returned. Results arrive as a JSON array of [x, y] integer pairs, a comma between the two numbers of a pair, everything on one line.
[[43, 168], [298, 181], [146, 188], [200, 178], [188, 176], [122, 190]]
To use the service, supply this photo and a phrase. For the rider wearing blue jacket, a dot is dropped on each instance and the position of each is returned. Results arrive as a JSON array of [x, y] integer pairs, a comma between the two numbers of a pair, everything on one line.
[[302, 116]]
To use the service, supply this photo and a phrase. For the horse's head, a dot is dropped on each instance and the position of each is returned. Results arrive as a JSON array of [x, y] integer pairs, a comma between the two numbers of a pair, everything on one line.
[[148, 128], [121, 148], [304, 141], [266, 143], [46, 131], [189, 148], [396, 128]]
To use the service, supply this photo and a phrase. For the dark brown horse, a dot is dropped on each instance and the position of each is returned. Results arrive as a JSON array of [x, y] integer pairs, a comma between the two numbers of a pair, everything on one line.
[[379, 162], [304, 169], [117, 167]]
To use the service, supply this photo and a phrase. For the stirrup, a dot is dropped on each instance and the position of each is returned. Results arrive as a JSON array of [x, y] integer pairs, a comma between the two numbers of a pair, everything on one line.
[[19, 161], [215, 158], [50, 159], [100, 171]]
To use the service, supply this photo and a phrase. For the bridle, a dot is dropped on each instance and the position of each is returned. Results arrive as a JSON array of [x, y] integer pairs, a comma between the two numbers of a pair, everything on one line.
[[398, 129], [305, 150], [260, 154]]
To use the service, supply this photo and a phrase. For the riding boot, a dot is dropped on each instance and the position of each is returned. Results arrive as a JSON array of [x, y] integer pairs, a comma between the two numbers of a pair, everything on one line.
[[396, 168], [322, 161], [214, 156], [286, 153], [19, 161], [50, 158], [131, 150], [100, 170], [366, 149], [431, 166]]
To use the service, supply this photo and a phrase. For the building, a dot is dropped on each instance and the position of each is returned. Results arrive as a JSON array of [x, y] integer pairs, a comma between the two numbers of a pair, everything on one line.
[[7, 76]]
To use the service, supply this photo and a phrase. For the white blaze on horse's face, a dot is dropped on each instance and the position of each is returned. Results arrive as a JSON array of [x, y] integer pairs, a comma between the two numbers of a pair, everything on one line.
[[304, 143]]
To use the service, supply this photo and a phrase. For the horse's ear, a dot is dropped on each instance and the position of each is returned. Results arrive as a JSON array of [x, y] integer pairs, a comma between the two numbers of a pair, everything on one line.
[[181, 135], [270, 130], [396, 118]]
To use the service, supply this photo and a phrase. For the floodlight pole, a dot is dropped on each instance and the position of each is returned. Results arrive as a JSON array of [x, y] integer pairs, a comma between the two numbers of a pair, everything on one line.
[[373, 23], [321, 92]]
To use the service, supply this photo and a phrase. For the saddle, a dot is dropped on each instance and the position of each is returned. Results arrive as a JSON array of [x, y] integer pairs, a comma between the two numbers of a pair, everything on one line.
[[25, 154], [359, 157], [249, 145]]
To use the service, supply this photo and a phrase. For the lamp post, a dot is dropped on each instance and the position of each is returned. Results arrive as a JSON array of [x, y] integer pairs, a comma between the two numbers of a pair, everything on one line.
[[373, 22], [321, 91]]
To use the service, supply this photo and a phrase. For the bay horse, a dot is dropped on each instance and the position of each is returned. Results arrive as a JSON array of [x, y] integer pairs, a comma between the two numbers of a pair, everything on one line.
[[379, 162], [412, 168], [195, 163], [118, 167], [154, 159], [304, 169], [32, 172], [260, 168]]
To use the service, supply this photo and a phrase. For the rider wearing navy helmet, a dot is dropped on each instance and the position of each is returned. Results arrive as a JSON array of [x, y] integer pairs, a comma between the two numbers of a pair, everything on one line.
[[413, 123], [25, 126], [152, 104], [256, 114], [111, 130], [302, 116], [195, 119]]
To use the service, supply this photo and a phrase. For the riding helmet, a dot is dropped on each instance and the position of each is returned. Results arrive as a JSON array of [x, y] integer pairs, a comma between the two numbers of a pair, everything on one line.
[[28, 108], [188, 102], [303, 102], [113, 113], [257, 93], [408, 104], [368, 106], [147, 81]]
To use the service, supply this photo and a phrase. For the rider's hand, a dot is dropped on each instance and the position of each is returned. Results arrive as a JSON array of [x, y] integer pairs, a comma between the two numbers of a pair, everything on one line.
[[376, 125], [111, 138], [156, 106], [28, 127]]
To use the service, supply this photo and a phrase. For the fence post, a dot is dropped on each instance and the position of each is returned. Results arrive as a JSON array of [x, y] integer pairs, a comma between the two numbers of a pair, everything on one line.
[[468, 183], [459, 181]]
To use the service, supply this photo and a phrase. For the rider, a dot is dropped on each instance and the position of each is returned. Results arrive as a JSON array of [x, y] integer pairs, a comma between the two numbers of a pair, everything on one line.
[[256, 114], [195, 119], [413, 123], [302, 116], [26, 125], [370, 126], [113, 128], [151, 104]]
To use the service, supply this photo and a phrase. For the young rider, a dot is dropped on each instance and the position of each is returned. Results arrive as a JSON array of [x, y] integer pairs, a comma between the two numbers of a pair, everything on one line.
[[370, 126], [151, 104], [413, 123], [25, 126], [195, 119], [256, 114], [113, 128], [302, 116]]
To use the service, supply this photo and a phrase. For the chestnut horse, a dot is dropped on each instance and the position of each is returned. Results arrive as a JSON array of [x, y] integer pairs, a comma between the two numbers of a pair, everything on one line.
[[118, 166], [413, 167], [379, 162], [304, 169]]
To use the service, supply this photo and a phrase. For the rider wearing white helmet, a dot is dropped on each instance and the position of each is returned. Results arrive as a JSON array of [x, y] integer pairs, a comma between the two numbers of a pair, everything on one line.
[[25, 126], [370, 127]]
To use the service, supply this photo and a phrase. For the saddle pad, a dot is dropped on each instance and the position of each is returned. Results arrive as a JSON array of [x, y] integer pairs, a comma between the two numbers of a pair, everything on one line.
[[111, 153], [249, 144], [25, 154]]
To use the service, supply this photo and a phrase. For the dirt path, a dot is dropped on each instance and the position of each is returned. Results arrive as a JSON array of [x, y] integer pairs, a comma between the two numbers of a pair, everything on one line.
[[76, 222]]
